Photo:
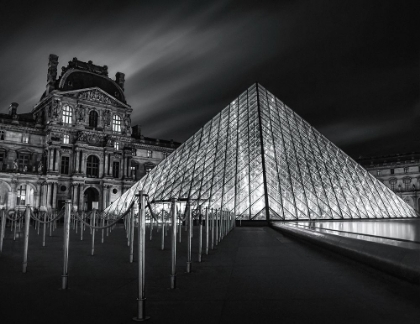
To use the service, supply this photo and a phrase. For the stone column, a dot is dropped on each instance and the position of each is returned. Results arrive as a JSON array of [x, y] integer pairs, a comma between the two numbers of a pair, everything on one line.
[[104, 197], [49, 197], [106, 159], [38, 195], [54, 201], [50, 159], [81, 198], [110, 165], [57, 158], [83, 165], [76, 161]]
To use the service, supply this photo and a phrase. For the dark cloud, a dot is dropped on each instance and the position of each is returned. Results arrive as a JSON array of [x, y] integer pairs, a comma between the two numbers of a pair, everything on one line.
[[350, 68]]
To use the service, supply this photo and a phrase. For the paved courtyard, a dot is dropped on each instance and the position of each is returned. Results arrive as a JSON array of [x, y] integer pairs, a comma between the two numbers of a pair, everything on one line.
[[255, 275]]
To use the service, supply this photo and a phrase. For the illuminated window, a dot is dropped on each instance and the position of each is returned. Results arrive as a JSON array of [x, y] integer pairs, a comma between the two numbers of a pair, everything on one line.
[[66, 139], [405, 170], [149, 153], [25, 138], [116, 123], [148, 167], [67, 114], [65, 162], [92, 169], [407, 182], [393, 182], [93, 119], [378, 173], [21, 195], [23, 160], [116, 169], [116, 145]]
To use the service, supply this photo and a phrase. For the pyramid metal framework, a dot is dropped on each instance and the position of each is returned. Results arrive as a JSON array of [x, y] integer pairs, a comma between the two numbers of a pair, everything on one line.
[[260, 160]]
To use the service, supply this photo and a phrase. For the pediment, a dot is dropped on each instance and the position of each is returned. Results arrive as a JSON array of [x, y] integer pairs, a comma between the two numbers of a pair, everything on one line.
[[96, 95]]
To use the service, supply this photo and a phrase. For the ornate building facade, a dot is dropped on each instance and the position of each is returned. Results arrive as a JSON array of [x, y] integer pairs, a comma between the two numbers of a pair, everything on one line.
[[77, 143], [400, 173]]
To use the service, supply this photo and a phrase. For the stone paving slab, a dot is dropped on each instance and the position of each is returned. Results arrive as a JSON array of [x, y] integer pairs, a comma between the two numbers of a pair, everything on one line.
[[255, 275]]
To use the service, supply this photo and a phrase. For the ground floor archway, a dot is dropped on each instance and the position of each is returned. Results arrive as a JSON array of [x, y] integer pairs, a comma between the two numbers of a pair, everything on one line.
[[91, 199]]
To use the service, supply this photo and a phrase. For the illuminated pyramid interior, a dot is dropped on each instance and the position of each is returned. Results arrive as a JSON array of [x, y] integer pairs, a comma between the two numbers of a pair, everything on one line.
[[260, 160]]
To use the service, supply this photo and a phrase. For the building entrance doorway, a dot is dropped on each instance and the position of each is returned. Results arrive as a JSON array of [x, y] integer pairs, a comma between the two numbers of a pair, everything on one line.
[[91, 199]]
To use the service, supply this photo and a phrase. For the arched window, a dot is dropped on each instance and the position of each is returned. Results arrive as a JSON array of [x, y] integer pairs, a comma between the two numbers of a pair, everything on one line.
[[92, 168], [93, 119], [116, 123], [67, 114], [21, 195], [393, 182], [407, 182]]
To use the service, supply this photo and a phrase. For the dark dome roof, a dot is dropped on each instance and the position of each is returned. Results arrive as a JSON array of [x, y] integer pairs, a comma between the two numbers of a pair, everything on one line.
[[76, 79]]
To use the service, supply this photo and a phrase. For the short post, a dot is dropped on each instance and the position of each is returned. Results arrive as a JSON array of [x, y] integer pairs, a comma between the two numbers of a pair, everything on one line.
[[200, 234], [173, 245], [207, 230], [212, 228], [162, 247], [141, 309], [51, 225], [81, 224], [25, 246], [44, 229], [3, 228], [151, 226], [189, 219], [92, 223], [131, 227], [179, 229], [216, 230], [128, 227], [66, 230], [103, 230]]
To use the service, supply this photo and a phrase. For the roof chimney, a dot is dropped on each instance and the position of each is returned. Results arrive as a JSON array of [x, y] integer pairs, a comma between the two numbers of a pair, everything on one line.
[[119, 78], [13, 108], [52, 72]]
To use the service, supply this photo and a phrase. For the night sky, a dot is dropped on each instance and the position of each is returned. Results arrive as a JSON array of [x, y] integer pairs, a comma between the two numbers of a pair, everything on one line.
[[350, 68]]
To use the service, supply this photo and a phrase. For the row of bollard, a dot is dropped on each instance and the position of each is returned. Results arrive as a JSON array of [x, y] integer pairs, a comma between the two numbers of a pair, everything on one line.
[[217, 224]]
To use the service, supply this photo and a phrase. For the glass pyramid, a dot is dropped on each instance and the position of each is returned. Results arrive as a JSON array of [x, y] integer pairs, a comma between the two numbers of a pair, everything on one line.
[[260, 160]]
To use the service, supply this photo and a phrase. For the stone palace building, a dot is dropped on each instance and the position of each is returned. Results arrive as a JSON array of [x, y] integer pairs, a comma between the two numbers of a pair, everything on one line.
[[77, 143], [399, 172]]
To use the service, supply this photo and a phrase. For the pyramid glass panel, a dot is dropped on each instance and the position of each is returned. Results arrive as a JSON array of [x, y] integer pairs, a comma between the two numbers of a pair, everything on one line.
[[260, 160]]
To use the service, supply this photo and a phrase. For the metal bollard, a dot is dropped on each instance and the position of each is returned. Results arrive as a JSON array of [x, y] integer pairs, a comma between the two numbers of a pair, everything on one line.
[[92, 223], [190, 225], [51, 224], [26, 242], [128, 227], [207, 230], [44, 228], [81, 225], [141, 309], [103, 230], [212, 228], [66, 230], [151, 228], [131, 226], [3, 228], [200, 234], [216, 230], [173, 245], [163, 233]]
